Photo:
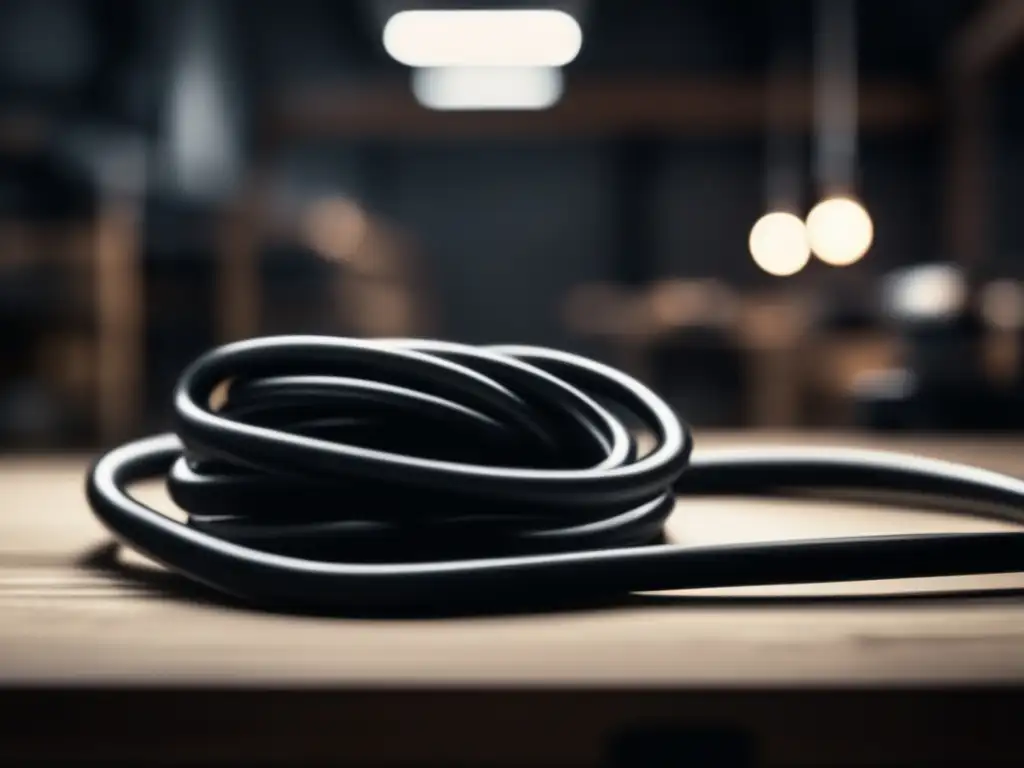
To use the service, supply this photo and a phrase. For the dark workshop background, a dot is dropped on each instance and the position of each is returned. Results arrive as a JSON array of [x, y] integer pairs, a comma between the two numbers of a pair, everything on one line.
[[178, 174]]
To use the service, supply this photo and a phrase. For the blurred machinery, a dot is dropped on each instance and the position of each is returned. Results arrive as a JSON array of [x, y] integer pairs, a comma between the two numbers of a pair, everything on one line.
[[920, 352], [721, 358], [958, 365]]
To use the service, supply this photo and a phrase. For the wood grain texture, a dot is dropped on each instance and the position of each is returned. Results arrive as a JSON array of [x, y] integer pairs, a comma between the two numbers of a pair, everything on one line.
[[106, 657], [67, 614]]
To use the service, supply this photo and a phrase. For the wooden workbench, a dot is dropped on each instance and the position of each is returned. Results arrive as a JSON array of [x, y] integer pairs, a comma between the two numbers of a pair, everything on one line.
[[105, 655]]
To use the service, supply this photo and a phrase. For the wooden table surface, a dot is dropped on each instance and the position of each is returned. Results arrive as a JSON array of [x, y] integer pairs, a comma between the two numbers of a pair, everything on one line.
[[69, 618]]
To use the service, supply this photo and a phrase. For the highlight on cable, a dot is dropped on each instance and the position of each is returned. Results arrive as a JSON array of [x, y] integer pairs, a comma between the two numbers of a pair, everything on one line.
[[346, 474]]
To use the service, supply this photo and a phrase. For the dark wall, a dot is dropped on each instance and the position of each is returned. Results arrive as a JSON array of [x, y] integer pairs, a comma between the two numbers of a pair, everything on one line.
[[1005, 180], [710, 194], [902, 185], [507, 228]]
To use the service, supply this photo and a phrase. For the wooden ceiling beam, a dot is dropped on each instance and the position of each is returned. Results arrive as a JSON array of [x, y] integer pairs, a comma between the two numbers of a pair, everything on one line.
[[591, 107]]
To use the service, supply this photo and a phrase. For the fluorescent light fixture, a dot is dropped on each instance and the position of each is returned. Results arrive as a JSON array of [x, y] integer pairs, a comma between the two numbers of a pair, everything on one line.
[[487, 88], [479, 38]]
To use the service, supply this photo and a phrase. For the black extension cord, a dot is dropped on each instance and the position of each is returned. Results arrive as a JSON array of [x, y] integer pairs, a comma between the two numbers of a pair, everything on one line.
[[346, 474]]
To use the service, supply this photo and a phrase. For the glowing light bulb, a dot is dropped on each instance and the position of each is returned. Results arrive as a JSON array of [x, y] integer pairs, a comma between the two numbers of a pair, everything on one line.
[[839, 231], [778, 243]]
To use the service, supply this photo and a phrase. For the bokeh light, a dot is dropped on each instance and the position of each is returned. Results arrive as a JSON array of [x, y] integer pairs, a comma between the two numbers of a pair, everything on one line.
[[926, 292], [336, 228], [1002, 305], [839, 231], [778, 243]]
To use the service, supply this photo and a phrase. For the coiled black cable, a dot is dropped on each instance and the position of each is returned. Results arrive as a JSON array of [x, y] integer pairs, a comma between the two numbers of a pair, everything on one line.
[[351, 474]]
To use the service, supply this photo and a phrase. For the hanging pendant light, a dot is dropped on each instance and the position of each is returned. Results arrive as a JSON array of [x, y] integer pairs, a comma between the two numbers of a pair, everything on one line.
[[778, 240], [839, 228]]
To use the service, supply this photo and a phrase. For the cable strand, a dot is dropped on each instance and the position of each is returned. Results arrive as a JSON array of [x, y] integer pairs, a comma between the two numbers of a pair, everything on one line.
[[400, 473]]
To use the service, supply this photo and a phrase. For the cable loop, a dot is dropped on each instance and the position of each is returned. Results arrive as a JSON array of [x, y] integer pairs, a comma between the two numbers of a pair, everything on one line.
[[343, 472]]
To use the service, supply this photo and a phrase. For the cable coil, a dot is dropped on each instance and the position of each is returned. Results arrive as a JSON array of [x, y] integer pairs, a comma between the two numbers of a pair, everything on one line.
[[400, 473]]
